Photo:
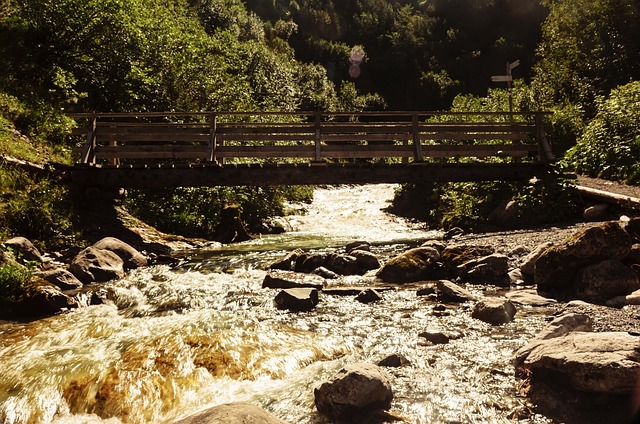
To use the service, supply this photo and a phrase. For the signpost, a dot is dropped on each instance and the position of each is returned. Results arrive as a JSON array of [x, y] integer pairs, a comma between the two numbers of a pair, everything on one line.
[[508, 78]]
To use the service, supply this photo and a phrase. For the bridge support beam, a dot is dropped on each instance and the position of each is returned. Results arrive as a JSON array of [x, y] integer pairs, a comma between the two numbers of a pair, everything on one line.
[[227, 175]]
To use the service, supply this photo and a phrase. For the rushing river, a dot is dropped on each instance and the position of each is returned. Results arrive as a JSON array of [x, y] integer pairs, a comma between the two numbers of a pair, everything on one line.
[[176, 341]]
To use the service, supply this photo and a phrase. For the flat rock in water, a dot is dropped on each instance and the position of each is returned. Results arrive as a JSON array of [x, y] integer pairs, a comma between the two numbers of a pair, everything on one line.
[[233, 413], [529, 298], [494, 311], [297, 300], [289, 280], [447, 291]]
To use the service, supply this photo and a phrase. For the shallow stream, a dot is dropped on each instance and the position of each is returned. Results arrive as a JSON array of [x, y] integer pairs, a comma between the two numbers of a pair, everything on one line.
[[176, 341]]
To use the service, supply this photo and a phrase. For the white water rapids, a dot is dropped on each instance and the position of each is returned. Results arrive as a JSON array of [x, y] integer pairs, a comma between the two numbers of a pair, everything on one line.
[[172, 342]]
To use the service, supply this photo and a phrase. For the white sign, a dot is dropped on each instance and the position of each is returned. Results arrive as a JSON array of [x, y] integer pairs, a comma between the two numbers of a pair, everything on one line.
[[501, 78], [514, 64]]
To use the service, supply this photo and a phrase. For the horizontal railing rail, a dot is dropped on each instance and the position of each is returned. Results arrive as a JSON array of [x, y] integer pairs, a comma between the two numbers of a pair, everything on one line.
[[220, 137]]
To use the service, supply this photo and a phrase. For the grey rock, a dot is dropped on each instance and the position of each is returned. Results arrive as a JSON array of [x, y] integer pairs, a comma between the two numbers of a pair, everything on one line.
[[232, 413], [96, 265], [297, 300], [494, 311]]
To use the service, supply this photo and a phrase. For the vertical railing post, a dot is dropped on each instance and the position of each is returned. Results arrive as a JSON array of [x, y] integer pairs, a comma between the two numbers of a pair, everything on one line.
[[318, 138], [417, 146], [545, 153], [213, 127], [89, 151]]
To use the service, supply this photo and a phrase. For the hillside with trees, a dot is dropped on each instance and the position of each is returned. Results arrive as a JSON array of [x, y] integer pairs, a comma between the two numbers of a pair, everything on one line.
[[578, 59]]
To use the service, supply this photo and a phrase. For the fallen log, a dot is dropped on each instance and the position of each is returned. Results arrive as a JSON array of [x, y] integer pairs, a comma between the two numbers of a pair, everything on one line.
[[628, 202]]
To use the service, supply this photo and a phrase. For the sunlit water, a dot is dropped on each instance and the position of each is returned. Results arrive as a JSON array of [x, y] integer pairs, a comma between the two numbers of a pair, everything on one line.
[[176, 341]]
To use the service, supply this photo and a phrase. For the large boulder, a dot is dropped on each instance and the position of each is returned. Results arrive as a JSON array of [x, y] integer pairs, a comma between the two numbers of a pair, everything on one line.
[[494, 311], [61, 278], [607, 362], [355, 391], [24, 249], [528, 262], [343, 264], [44, 299], [365, 259], [413, 265], [130, 256], [288, 262], [96, 265], [492, 268], [556, 269], [606, 280], [232, 413]]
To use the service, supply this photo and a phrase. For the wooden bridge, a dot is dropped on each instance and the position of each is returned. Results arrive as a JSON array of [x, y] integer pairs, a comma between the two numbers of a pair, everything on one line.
[[152, 150]]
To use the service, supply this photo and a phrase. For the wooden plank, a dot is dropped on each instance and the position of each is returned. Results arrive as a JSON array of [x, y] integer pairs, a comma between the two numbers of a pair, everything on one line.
[[160, 137], [149, 152], [266, 137]]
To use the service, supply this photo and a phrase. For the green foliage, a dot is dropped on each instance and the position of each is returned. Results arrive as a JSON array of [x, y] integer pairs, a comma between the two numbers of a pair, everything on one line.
[[588, 48], [36, 208], [195, 212], [610, 145], [548, 198], [14, 279]]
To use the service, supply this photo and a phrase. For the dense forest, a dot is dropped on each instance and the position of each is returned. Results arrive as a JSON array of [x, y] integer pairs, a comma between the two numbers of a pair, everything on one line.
[[578, 58]]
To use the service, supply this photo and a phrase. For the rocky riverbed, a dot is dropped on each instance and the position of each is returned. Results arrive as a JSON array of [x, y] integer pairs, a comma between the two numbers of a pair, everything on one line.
[[583, 367]]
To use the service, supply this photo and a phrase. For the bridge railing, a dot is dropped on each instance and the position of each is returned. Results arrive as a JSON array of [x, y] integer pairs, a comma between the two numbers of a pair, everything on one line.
[[219, 138]]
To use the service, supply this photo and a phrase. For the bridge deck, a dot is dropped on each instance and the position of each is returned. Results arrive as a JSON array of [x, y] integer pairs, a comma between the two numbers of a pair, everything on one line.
[[171, 149]]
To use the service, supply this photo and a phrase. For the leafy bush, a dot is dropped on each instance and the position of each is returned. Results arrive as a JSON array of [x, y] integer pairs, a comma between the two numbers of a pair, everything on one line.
[[195, 211], [610, 145], [13, 281], [38, 209]]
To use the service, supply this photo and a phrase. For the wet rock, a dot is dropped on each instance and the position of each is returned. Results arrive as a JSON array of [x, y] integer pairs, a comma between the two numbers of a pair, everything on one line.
[[368, 296], [413, 265], [297, 300], [632, 227], [448, 291], [365, 260], [494, 311], [394, 361], [96, 265], [428, 289], [528, 262], [529, 298], [556, 269], [289, 280], [130, 256], [23, 249], [355, 391], [307, 262], [488, 269], [343, 264], [607, 362], [325, 273], [435, 338], [456, 255], [61, 278], [232, 413], [606, 280], [358, 245], [352, 290], [288, 262], [45, 299]]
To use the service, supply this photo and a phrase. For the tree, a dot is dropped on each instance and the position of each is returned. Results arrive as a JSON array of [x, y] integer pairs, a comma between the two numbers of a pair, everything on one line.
[[588, 48]]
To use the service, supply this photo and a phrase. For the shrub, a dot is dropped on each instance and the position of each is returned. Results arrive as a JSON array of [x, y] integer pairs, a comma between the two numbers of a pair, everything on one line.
[[610, 145], [13, 281]]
